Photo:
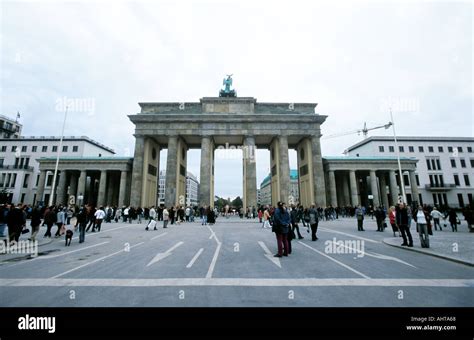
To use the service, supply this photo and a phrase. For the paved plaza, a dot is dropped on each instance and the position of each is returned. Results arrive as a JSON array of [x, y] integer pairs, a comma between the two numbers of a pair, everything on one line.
[[231, 263]]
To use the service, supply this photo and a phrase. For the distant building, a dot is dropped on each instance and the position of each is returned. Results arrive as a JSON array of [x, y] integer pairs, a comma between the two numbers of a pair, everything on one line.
[[445, 169], [192, 189], [9, 128], [19, 168], [265, 192]]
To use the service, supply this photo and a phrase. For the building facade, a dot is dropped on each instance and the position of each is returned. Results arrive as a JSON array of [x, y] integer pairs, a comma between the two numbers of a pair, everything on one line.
[[9, 128], [19, 166], [266, 190], [192, 189], [445, 169]]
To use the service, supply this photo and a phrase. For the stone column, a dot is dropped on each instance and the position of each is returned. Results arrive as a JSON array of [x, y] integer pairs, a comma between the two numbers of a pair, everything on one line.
[[250, 171], [318, 172], [81, 187], [73, 185], [171, 171], [414, 187], [393, 187], [61, 188], [346, 189], [206, 171], [137, 172], [332, 188], [40, 189], [383, 191], [354, 191], [374, 189], [102, 188], [284, 167], [123, 188], [110, 189]]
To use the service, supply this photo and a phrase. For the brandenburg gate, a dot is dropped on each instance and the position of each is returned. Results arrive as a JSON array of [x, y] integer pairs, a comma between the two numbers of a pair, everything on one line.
[[217, 121]]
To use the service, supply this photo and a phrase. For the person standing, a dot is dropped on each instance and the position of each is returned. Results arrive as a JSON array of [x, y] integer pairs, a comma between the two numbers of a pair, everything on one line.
[[360, 218], [281, 227], [295, 221], [60, 221], [436, 215], [15, 221], [313, 222], [422, 219], [266, 219], [166, 217], [402, 223], [99, 217], [203, 215], [49, 220], [393, 223], [379, 218]]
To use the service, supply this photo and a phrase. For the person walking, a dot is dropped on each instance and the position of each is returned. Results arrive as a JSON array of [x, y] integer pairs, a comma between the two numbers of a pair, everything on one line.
[[203, 215], [402, 223], [360, 218], [266, 219], [15, 221], [436, 215], [49, 220], [295, 221], [99, 217], [379, 218], [281, 227], [393, 223], [422, 219], [35, 223], [60, 221], [313, 222], [166, 217], [82, 222], [453, 219]]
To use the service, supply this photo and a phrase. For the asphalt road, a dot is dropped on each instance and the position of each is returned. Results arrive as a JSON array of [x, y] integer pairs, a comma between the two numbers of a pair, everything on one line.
[[232, 264]]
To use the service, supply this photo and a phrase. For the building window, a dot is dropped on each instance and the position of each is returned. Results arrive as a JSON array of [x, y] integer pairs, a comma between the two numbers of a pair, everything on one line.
[[75, 148], [44, 148], [433, 164], [428, 164], [466, 180], [430, 149], [34, 148], [459, 149], [25, 181], [37, 180], [463, 163], [450, 149], [440, 149], [401, 148], [55, 148], [391, 149], [453, 163], [13, 181], [472, 163], [1, 162], [23, 148], [411, 149], [417, 178], [405, 180], [49, 180], [13, 148], [469, 149], [65, 148], [420, 149], [381, 148], [461, 200], [438, 163], [456, 180], [4, 148]]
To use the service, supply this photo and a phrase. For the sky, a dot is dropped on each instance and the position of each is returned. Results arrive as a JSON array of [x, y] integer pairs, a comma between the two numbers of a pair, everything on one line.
[[355, 59]]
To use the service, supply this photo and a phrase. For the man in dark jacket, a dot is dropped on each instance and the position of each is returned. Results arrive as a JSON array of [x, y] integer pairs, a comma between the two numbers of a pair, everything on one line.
[[402, 223], [82, 221], [49, 220], [281, 227], [15, 221]]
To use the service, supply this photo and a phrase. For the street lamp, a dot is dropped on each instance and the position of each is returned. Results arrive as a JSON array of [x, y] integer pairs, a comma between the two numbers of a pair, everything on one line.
[[402, 184], [51, 197]]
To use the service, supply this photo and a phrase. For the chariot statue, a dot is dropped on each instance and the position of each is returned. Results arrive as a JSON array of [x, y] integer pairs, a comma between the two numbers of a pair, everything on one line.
[[227, 92]]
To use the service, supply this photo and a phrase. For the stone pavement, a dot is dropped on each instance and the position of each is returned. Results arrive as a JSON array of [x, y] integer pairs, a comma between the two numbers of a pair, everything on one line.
[[453, 246]]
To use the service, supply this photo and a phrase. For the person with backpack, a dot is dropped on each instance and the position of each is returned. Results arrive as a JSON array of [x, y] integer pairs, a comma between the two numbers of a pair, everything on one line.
[[281, 227], [360, 218], [313, 221]]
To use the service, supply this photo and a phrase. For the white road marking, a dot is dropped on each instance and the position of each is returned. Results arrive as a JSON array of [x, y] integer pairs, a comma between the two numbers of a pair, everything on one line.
[[334, 260], [161, 256], [375, 255], [354, 236], [190, 264], [242, 282], [216, 253], [157, 236], [96, 260], [269, 255]]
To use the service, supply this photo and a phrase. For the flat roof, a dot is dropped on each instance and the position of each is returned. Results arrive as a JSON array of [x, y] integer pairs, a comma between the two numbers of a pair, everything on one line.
[[367, 158], [411, 139], [57, 138], [86, 158]]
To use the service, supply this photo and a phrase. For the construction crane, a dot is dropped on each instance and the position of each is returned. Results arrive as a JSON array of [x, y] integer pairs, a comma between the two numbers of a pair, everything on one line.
[[364, 131]]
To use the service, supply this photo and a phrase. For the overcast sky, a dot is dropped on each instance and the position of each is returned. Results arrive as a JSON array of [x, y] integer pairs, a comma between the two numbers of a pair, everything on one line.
[[355, 59]]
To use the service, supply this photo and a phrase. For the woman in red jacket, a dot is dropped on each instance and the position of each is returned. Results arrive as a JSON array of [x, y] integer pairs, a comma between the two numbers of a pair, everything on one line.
[[393, 223]]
